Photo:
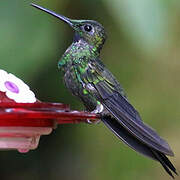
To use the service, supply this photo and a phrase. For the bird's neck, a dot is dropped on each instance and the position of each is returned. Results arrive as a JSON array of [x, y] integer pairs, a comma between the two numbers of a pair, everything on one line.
[[95, 43], [78, 52]]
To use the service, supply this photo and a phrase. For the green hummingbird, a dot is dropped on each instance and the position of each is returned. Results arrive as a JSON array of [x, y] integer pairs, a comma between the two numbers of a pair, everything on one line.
[[87, 78]]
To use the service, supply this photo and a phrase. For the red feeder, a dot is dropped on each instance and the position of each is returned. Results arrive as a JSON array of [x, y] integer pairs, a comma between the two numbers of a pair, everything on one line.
[[22, 124]]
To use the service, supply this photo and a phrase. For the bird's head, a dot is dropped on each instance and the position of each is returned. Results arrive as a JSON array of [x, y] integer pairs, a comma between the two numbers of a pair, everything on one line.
[[90, 31]]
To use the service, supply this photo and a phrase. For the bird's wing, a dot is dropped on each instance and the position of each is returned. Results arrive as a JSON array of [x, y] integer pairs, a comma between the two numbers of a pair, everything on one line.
[[108, 91]]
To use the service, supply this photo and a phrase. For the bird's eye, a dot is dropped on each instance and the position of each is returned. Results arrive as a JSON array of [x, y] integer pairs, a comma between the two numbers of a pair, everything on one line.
[[88, 28]]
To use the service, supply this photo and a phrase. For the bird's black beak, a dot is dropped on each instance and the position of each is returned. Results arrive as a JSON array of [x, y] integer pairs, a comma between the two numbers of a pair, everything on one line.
[[61, 17]]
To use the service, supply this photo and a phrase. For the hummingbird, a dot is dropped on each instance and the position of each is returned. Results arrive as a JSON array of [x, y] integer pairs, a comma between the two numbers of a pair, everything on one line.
[[87, 78]]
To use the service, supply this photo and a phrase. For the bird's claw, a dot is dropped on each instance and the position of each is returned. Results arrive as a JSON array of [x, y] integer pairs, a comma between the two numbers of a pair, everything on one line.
[[99, 109], [93, 121]]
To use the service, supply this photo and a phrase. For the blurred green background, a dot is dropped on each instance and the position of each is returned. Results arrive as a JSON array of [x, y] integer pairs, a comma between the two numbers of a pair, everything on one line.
[[142, 51]]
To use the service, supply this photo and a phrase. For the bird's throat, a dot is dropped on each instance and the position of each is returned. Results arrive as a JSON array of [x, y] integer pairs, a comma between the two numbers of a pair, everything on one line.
[[76, 37]]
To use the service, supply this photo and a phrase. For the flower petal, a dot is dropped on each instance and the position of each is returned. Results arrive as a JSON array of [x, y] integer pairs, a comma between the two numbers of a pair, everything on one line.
[[23, 95]]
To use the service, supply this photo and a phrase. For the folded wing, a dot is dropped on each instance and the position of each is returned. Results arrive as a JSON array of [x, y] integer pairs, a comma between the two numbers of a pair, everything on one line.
[[110, 94]]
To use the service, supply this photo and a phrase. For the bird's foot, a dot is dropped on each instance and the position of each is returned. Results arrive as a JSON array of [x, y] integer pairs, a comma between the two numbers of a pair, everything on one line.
[[99, 109], [93, 121]]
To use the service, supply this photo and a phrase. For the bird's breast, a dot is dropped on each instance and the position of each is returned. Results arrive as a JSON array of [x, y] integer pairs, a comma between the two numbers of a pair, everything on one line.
[[72, 82]]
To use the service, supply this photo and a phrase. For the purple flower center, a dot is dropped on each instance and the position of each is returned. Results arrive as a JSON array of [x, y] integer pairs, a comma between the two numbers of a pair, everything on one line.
[[11, 87]]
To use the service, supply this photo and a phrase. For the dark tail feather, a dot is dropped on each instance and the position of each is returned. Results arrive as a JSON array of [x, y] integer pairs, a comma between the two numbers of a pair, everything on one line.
[[168, 163], [165, 163], [127, 137], [137, 145]]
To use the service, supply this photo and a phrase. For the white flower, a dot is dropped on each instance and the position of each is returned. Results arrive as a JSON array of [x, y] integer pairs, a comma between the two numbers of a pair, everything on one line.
[[15, 88]]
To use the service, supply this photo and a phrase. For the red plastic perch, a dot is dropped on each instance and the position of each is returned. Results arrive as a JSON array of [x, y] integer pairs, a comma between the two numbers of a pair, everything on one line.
[[22, 124]]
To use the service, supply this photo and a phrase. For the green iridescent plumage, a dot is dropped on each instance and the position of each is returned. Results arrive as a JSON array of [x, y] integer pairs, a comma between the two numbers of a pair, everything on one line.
[[87, 78]]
